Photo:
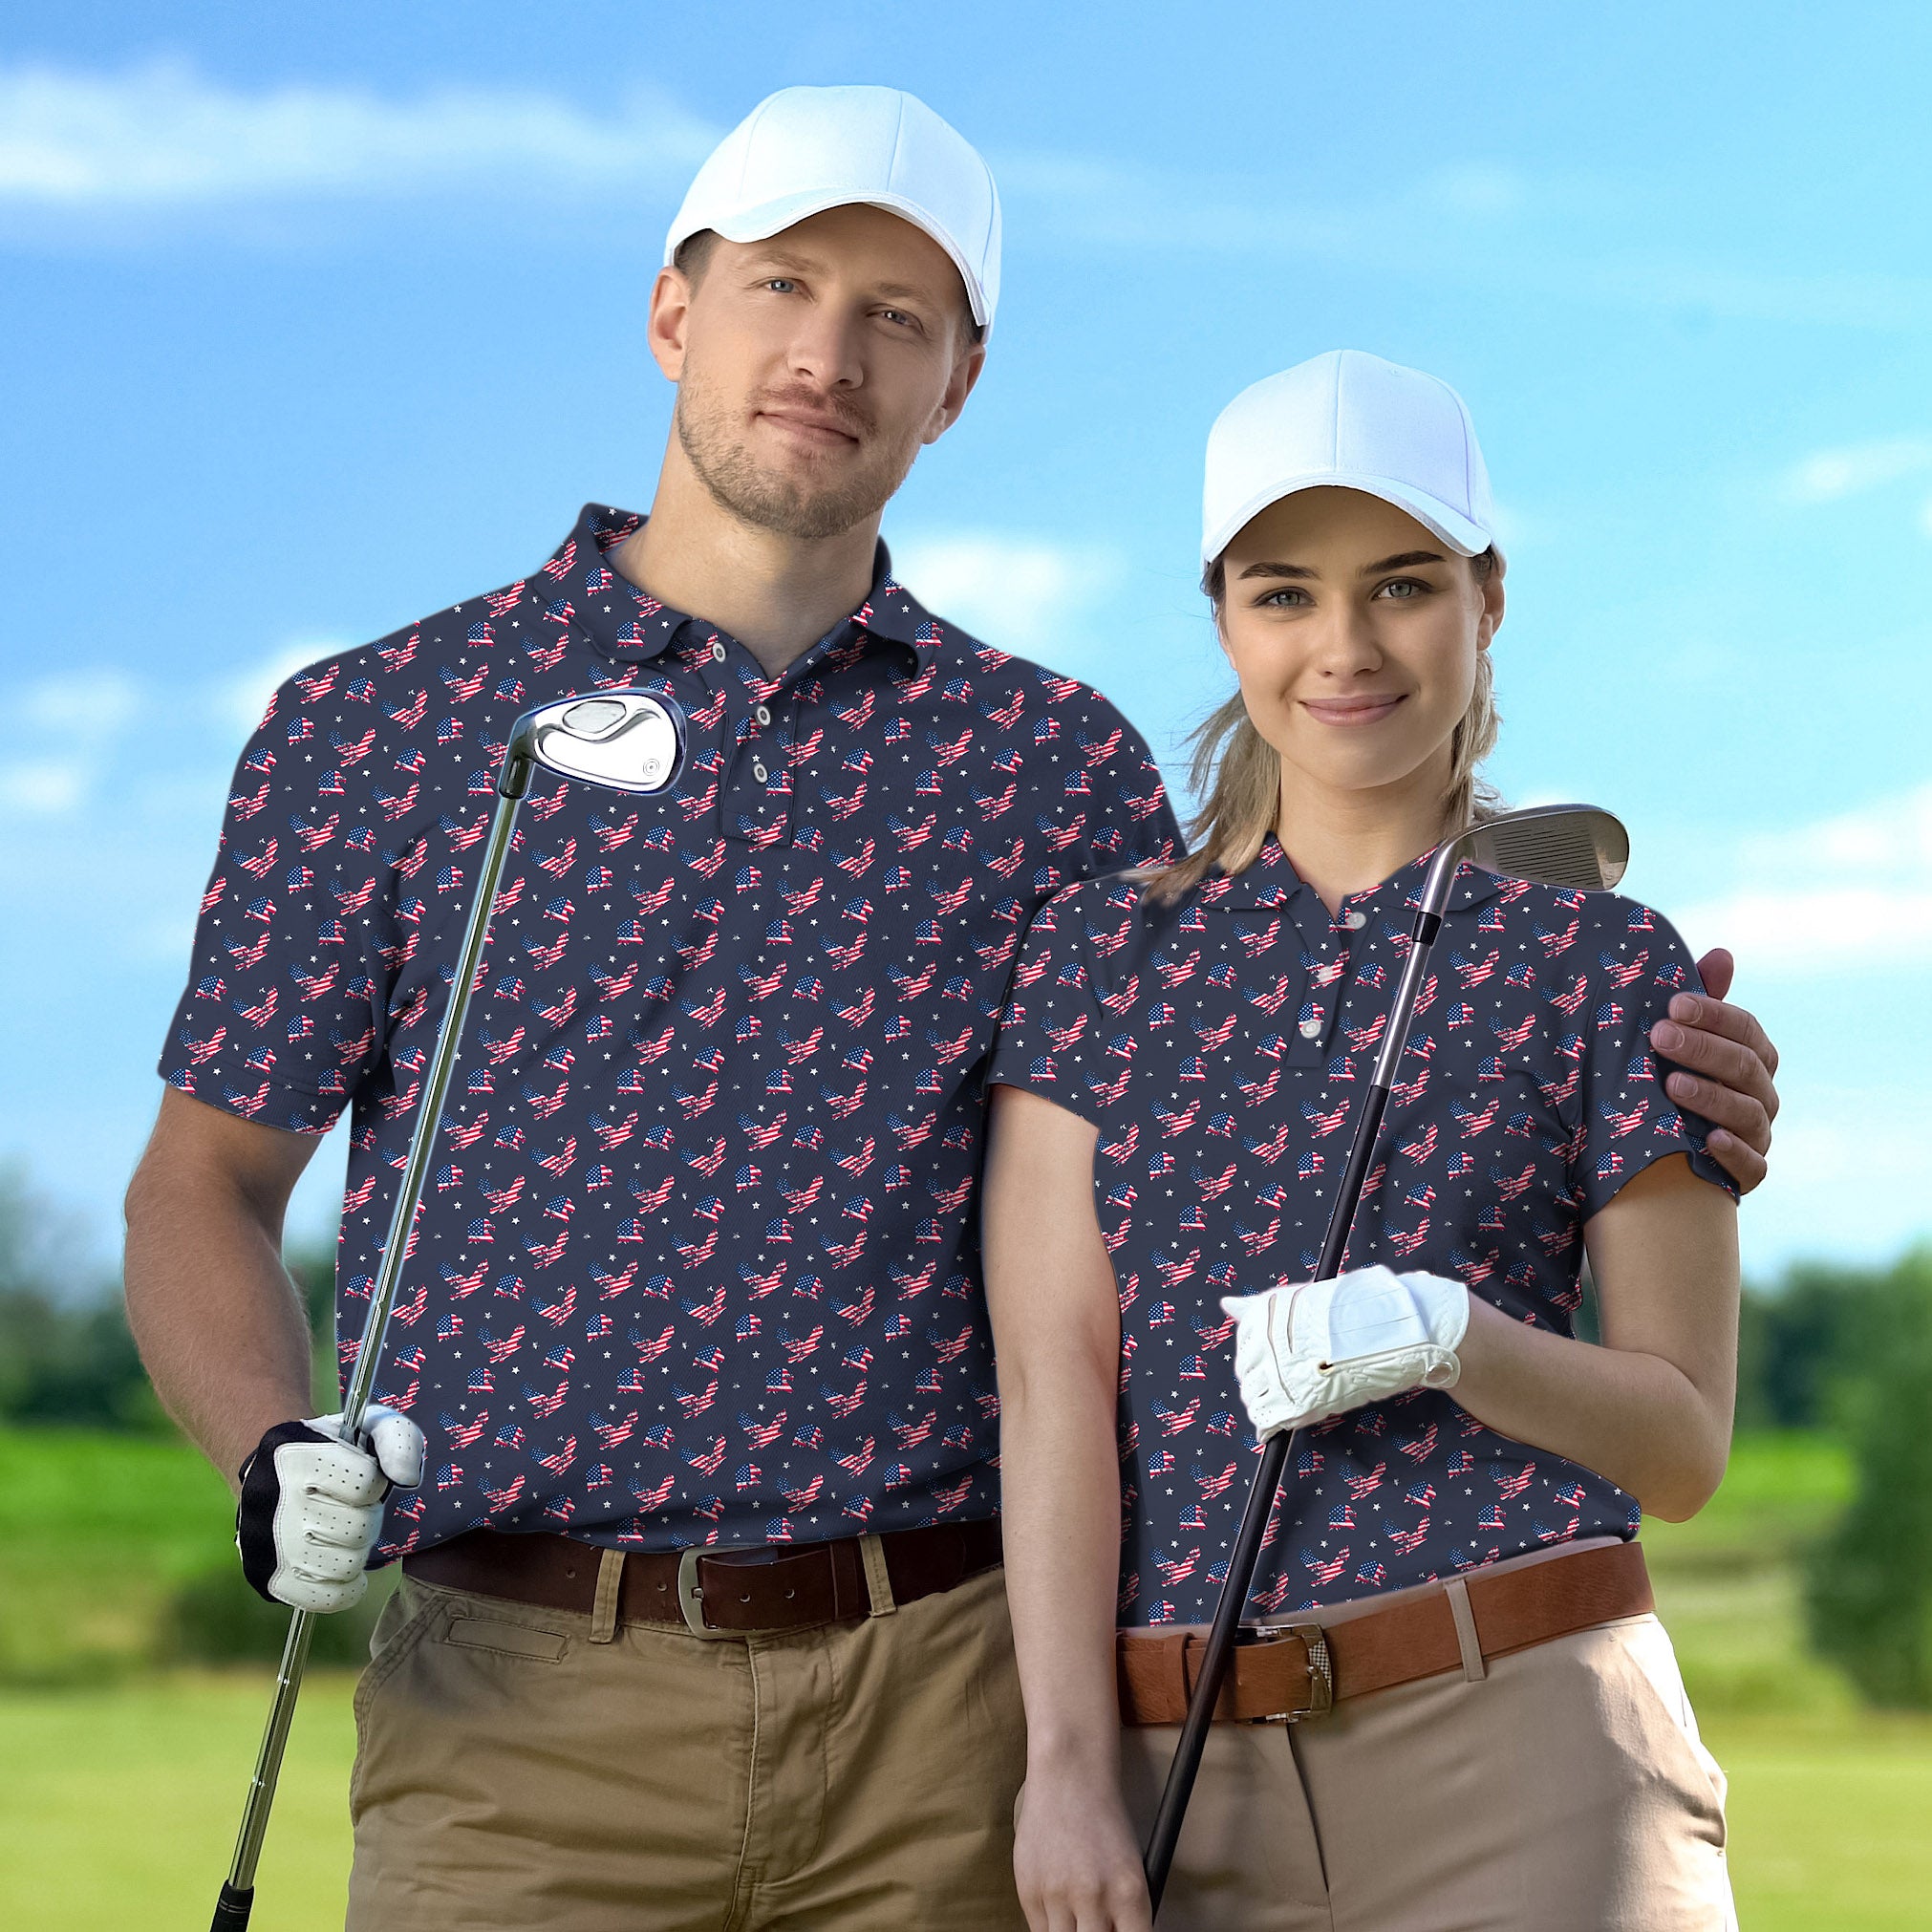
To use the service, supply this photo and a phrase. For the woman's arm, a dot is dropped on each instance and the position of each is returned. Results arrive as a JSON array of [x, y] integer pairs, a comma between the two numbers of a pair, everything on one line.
[[1651, 1409], [1055, 1332]]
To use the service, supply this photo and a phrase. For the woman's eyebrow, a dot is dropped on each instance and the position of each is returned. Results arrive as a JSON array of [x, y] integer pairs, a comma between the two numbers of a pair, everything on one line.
[[1401, 561], [1275, 571]]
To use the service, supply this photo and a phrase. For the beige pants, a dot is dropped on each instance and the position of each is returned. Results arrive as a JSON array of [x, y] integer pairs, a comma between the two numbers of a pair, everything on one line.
[[1566, 1790], [511, 1772]]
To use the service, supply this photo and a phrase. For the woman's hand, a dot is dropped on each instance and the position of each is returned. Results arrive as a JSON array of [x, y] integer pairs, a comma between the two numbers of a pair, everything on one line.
[[1320, 1348], [1074, 1857]]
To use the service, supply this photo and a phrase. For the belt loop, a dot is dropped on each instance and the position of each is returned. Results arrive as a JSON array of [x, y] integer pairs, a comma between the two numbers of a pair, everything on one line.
[[604, 1607], [1474, 1669], [878, 1580]]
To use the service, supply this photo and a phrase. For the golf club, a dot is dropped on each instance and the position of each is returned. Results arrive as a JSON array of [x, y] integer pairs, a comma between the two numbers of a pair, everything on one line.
[[1573, 845], [627, 741]]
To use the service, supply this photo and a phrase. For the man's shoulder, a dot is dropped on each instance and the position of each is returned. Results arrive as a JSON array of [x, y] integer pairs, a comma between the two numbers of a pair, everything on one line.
[[998, 677], [445, 657]]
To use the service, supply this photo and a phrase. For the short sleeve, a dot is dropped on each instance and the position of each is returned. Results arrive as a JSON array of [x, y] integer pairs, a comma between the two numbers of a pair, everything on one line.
[[1054, 1034], [1133, 823], [284, 1006], [1627, 1120]]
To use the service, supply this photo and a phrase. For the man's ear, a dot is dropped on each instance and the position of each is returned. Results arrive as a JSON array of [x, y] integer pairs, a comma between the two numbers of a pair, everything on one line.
[[670, 320], [966, 370]]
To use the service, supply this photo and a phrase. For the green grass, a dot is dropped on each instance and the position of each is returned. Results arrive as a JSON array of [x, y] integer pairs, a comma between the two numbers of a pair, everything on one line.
[[119, 1807], [96, 1529], [1828, 1819], [1727, 1581], [121, 1786]]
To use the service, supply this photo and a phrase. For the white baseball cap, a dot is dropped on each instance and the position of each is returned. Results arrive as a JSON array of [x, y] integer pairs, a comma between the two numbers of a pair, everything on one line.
[[805, 149], [1349, 420]]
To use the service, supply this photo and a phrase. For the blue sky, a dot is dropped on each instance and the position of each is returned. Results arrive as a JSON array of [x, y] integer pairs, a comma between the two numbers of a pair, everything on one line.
[[314, 329]]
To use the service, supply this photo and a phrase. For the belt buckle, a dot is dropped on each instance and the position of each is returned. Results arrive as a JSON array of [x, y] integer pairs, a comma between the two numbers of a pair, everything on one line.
[[1321, 1671], [691, 1599]]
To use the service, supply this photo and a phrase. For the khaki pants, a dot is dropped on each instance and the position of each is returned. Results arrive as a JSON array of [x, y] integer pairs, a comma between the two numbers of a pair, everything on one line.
[[513, 1773], [1565, 1791]]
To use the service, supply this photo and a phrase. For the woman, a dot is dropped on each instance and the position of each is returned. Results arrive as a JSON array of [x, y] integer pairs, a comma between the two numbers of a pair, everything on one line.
[[1509, 1744]]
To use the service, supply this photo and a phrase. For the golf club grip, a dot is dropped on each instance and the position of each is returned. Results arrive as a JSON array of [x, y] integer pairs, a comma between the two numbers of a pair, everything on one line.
[[1180, 1786], [232, 1909]]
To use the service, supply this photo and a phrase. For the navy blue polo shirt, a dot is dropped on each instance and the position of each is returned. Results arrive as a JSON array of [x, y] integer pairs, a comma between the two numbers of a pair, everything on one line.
[[1220, 1044], [698, 1259]]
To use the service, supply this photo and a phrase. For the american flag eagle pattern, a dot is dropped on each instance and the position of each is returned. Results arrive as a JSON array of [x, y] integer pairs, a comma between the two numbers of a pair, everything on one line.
[[698, 1261], [1220, 1044]]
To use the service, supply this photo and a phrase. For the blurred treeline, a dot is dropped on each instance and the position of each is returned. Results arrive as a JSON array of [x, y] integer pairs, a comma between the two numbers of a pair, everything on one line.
[[1808, 1345], [1830, 1350]]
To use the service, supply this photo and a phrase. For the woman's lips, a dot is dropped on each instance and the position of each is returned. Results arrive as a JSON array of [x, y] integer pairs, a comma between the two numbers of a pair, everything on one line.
[[1350, 710]]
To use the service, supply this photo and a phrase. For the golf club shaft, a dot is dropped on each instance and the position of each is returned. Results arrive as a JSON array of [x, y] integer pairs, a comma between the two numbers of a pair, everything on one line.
[[1247, 1553], [238, 1892]]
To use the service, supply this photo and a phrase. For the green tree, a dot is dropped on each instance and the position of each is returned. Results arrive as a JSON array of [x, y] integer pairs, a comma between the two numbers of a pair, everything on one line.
[[66, 1355], [1868, 1583]]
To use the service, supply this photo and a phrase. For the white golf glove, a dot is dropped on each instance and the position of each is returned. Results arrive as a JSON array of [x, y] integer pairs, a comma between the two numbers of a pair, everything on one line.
[[1318, 1348], [311, 1505]]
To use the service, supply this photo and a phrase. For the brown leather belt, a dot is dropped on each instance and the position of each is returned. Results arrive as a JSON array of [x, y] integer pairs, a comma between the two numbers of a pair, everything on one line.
[[1290, 1670], [712, 1593]]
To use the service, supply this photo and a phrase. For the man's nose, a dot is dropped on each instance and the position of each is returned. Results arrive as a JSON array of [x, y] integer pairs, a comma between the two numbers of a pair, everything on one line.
[[826, 350]]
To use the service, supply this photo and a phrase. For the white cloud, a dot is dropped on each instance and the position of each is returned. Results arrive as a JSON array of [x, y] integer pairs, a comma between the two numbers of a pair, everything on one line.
[[1479, 189], [1866, 872], [164, 134], [241, 699], [43, 788], [1016, 593], [1828, 474], [81, 707]]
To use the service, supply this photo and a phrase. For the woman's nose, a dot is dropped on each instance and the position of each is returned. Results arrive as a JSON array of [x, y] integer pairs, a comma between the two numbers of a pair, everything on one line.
[[1345, 641]]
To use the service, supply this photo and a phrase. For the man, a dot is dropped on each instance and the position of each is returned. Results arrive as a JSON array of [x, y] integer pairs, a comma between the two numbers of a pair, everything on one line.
[[699, 1266]]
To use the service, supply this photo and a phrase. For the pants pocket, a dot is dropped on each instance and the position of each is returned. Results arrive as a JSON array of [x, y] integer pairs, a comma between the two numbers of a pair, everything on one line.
[[1654, 1675]]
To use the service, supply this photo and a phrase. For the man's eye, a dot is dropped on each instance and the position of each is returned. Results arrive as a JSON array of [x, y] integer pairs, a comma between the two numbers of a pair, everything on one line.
[[782, 284], [900, 318]]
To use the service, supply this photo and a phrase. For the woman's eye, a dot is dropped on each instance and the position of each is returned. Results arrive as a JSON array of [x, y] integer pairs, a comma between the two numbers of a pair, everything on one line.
[[1402, 590], [1287, 596]]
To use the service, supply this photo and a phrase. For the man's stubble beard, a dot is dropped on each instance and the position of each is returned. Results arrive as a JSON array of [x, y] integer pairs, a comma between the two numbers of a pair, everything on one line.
[[740, 486]]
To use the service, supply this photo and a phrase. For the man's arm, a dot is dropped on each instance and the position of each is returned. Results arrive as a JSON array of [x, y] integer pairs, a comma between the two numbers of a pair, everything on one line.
[[220, 1326], [1732, 1069]]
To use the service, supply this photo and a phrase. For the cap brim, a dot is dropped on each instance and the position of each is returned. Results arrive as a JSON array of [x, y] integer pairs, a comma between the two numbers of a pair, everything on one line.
[[772, 218], [1465, 538]]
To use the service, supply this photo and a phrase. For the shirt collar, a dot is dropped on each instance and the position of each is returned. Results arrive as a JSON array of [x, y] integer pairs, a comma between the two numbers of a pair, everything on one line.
[[1273, 884], [628, 624]]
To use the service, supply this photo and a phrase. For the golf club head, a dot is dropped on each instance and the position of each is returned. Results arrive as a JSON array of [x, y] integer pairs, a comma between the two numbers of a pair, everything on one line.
[[1577, 846], [627, 741]]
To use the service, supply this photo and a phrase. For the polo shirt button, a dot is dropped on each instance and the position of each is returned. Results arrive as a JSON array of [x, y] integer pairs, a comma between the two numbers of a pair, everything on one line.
[[1356, 921], [717, 651], [758, 772], [763, 714], [1311, 1029]]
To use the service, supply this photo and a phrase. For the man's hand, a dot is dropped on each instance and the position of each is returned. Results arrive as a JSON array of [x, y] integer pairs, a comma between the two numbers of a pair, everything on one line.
[[1320, 1348], [1731, 1068], [311, 1505]]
